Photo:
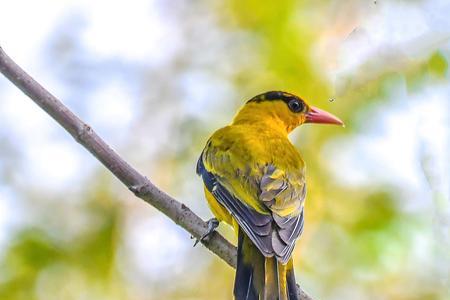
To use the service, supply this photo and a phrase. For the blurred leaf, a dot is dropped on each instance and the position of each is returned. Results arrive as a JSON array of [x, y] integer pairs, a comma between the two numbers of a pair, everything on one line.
[[438, 65]]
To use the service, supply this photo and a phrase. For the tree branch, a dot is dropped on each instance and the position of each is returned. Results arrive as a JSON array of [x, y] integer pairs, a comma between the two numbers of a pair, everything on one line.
[[136, 182]]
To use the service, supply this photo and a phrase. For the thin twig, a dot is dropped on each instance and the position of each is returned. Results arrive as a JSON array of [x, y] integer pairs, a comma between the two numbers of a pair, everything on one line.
[[136, 182]]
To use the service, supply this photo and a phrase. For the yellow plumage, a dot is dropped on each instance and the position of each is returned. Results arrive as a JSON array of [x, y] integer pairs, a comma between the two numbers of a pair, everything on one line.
[[242, 150], [255, 181]]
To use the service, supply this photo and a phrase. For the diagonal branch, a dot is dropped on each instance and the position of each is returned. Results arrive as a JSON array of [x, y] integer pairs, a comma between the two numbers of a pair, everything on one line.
[[136, 182]]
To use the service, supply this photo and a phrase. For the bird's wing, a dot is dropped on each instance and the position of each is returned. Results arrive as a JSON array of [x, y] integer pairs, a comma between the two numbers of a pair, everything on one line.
[[284, 193], [267, 203]]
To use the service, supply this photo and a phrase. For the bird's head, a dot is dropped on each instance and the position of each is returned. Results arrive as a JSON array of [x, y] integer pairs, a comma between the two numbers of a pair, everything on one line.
[[283, 109]]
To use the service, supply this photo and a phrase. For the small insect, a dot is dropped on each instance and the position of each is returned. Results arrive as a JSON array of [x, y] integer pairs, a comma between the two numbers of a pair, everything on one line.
[[331, 99]]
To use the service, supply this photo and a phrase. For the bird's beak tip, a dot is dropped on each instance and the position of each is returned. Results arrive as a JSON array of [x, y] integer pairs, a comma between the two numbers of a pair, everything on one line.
[[319, 116]]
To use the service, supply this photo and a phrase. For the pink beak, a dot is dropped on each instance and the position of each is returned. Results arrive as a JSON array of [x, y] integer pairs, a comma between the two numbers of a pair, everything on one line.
[[316, 115]]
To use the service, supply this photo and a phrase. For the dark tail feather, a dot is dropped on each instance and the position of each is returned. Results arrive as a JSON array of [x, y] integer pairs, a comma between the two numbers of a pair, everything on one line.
[[249, 281], [290, 281], [261, 278]]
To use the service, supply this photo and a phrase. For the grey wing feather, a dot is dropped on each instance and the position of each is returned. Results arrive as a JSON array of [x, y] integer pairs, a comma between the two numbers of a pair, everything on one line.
[[256, 225], [278, 193], [273, 235]]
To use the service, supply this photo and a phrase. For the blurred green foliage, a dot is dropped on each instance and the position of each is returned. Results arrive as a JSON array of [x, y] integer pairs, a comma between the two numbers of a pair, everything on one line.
[[358, 240], [40, 264], [438, 65]]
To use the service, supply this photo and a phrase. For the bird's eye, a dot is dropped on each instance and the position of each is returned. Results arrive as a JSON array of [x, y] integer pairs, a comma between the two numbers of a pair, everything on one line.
[[295, 105]]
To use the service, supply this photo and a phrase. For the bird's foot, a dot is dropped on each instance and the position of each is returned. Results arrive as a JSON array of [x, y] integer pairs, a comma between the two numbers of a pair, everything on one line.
[[212, 225]]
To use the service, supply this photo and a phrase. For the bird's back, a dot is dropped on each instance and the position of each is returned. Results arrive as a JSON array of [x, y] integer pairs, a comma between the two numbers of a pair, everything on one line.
[[252, 146], [259, 168]]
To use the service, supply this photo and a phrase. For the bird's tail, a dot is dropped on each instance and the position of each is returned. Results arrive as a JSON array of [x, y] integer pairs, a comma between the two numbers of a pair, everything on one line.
[[261, 278]]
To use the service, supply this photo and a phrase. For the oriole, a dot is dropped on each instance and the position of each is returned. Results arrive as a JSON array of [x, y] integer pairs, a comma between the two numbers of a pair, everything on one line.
[[254, 180]]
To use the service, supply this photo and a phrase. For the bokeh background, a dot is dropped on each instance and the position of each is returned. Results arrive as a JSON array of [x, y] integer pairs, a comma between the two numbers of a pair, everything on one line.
[[155, 78]]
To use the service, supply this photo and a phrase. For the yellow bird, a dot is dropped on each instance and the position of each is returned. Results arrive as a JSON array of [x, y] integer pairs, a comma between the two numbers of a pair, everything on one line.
[[254, 180]]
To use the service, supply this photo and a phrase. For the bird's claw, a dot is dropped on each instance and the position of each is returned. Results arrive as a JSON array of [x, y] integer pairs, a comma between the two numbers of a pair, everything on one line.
[[212, 225]]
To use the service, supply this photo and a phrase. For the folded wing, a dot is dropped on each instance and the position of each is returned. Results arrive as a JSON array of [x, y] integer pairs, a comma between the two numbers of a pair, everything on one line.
[[273, 217]]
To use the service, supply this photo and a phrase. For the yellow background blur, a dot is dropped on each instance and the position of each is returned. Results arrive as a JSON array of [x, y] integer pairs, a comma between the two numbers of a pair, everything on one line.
[[156, 78]]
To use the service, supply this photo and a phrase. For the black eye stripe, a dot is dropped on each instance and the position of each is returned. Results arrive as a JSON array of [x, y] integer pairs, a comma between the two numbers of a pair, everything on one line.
[[283, 96], [274, 95]]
